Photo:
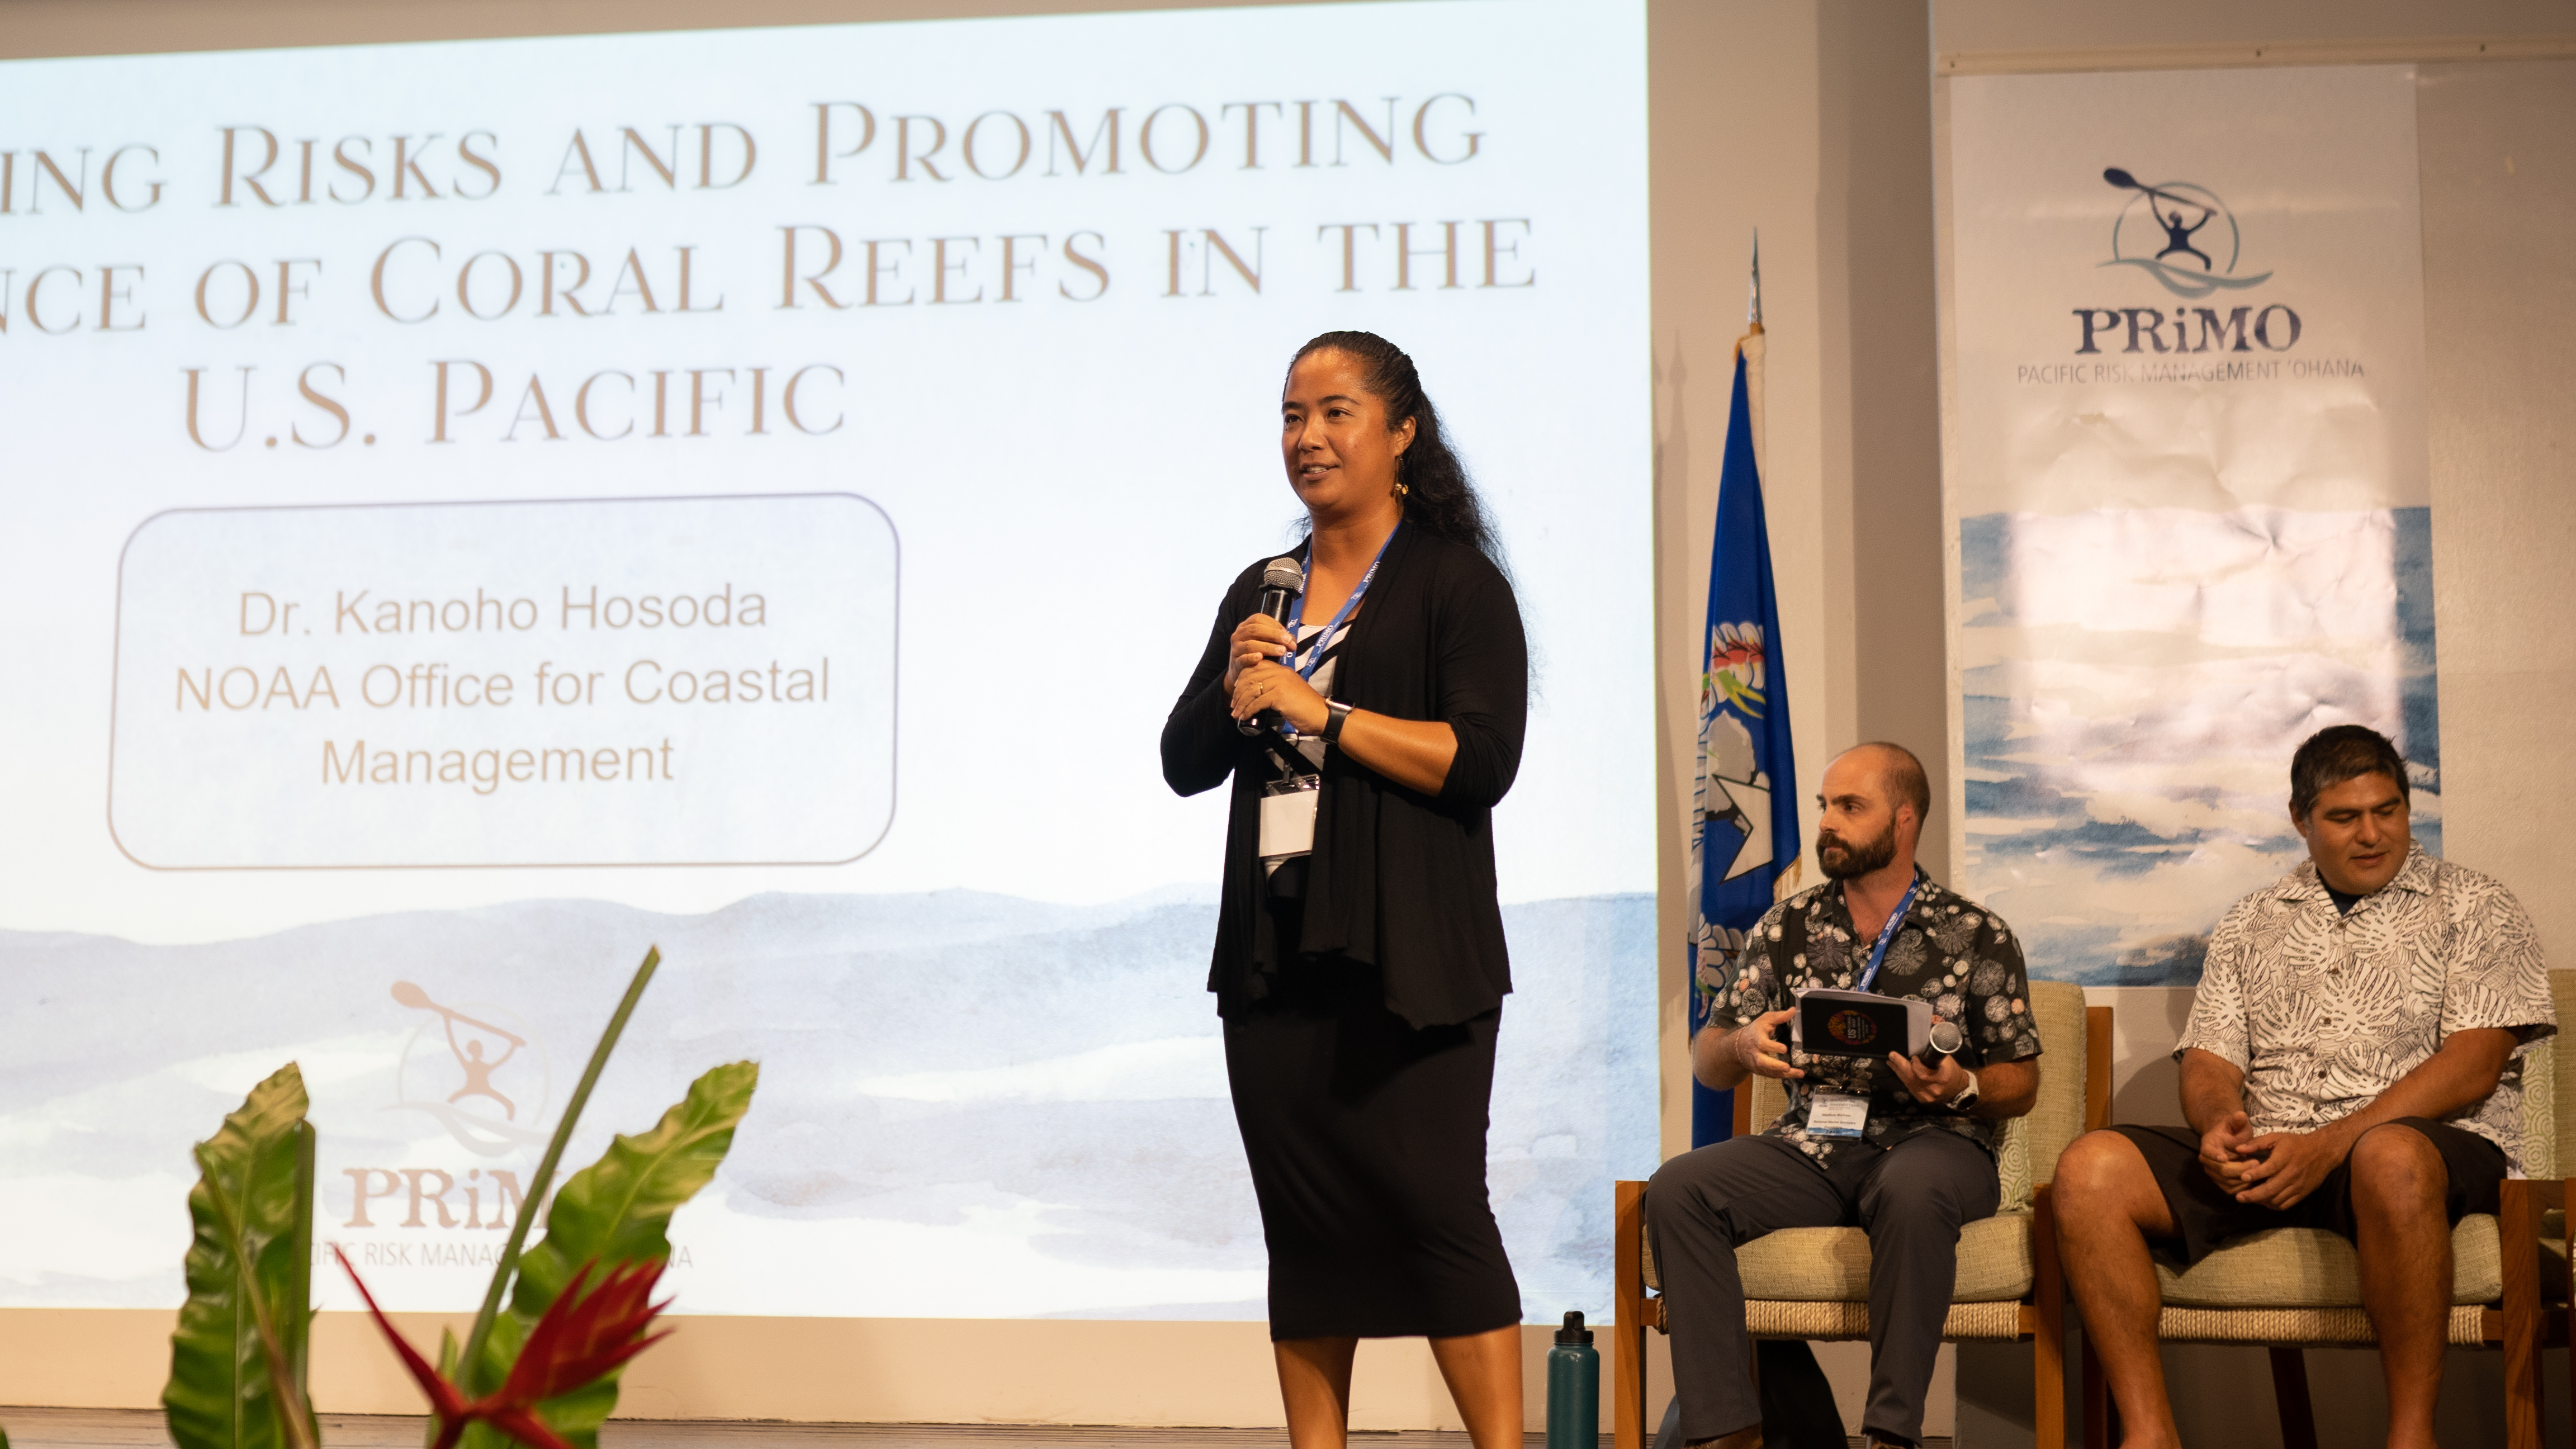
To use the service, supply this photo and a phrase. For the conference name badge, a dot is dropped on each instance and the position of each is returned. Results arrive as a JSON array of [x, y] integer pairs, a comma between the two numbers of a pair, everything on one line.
[[1288, 820], [1834, 1114]]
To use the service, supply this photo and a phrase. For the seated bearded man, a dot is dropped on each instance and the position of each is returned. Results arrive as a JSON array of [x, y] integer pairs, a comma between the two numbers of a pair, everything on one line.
[[1901, 1148], [2353, 1063]]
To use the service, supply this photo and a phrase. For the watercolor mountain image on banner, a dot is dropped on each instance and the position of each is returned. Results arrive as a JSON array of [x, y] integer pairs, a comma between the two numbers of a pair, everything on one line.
[[2134, 683], [971, 1105]]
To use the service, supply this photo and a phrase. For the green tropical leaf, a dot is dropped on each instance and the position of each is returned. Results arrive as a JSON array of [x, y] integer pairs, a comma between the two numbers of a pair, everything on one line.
[[237, 1361], [618, 1209]]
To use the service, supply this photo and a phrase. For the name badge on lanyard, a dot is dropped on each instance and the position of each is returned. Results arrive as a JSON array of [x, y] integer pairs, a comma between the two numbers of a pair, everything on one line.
[[1833, 1114], [1288, 820], [1288, 810], [1841, 1114]]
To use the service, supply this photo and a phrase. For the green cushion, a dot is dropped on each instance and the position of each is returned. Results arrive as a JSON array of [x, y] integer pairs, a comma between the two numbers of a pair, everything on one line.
[[2313, 1268], [1831, 1265]]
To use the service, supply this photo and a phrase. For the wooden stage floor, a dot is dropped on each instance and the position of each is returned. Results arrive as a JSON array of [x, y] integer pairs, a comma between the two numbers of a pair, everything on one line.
[[142, 1429]]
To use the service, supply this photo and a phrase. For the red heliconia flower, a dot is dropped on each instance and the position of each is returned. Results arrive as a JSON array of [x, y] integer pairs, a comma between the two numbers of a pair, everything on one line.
[[578, 1341]]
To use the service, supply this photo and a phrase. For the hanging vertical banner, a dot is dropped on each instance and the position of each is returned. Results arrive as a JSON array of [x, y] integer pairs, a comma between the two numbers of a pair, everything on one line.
[[1744, 808], [2188, 475]]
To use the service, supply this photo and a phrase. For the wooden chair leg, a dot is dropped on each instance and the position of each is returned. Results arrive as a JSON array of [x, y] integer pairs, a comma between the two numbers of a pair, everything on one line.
[[2097, 1398], [1628, 1336], [2518, 1224], [1628, 1426], [2290, 1395], [2048, 1384], [2560, 1285]]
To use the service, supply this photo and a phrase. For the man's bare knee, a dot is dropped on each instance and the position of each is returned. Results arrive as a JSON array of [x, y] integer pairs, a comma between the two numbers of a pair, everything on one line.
[[2096, 1160], [2103, 1176], [2397, 1167]]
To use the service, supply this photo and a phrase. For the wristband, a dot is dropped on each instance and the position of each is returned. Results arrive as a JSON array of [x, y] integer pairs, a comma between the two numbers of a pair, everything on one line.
[[1335, 712]]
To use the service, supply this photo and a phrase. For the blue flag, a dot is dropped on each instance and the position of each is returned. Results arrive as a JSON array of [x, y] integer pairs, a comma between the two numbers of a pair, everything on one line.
[[1744, 807]]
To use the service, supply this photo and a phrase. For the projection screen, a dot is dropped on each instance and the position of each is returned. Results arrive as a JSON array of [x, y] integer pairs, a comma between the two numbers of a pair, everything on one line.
[[477, 510]]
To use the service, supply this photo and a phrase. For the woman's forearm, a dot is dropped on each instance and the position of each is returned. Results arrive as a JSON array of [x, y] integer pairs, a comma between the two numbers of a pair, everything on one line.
[[1200, 742], [1414, 753]]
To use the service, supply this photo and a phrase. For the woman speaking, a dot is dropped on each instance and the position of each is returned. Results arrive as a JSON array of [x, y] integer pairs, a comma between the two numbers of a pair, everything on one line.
[[1359, 962]]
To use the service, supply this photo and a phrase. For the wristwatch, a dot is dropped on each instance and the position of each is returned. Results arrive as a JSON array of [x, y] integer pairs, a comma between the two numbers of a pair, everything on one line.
[[1968, 1098], [1336, 711]]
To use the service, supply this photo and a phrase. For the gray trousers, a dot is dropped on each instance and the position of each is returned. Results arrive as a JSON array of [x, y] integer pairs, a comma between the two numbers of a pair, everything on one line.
[[1911, 1199]]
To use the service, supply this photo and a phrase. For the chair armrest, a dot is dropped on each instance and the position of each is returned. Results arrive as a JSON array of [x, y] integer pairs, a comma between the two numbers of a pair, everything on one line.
[[2047, 1274], [2521, 1203], [2097, 1068]]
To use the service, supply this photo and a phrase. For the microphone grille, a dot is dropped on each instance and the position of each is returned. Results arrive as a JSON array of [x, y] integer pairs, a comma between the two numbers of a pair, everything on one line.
[[1284, 573]]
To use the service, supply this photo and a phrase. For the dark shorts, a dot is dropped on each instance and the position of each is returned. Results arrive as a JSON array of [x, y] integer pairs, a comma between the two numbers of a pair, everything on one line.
[[2207, 1217]]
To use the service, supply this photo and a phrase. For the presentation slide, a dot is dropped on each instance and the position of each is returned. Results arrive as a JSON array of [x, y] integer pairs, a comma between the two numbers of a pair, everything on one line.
[[475, 511]]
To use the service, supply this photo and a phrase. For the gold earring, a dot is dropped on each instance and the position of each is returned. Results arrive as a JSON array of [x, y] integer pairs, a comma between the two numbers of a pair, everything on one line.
[[1400, 489]]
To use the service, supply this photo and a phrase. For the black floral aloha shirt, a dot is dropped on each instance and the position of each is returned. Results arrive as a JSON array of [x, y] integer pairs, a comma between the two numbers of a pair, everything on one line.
[[1951, 952]]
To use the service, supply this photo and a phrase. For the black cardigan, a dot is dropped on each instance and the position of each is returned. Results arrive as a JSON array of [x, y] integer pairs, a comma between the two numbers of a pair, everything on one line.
[[1400, 880]]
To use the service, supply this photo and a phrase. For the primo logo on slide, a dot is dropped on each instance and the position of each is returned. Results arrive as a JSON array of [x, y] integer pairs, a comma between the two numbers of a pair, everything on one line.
[[487, 1082], [2184, 236]]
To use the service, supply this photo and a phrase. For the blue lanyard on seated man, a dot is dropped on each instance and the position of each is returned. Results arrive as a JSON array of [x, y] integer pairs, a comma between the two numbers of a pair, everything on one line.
[[1840, 1114], [1887, 933]]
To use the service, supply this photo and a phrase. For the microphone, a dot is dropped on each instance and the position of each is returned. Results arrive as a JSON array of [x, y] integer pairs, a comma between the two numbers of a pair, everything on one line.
[[1281, 583]]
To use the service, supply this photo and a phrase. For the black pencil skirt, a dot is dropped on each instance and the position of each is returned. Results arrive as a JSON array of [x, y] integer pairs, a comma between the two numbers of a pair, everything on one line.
[[1367, 1144]]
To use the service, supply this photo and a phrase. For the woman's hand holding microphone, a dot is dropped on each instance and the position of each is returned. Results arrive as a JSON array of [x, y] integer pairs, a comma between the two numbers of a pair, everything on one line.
[[1256, 680]]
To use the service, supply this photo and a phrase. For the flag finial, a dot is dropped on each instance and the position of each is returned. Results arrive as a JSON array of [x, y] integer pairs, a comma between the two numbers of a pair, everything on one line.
[[1753, 307]]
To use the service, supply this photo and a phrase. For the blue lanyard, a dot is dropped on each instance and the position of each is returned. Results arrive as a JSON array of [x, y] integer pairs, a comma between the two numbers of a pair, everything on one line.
[[1887, 933], [1297, 611]]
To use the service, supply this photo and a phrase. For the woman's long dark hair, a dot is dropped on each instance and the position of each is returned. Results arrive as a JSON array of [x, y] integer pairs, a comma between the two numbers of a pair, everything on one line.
[[1438, 495]]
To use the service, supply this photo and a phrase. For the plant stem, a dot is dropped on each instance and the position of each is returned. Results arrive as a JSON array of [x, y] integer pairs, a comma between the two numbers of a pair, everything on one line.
[[534, 1202]]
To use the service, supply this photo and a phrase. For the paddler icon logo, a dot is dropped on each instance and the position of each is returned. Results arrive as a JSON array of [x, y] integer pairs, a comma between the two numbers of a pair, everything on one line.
[[478, 1070], [2180, 233]]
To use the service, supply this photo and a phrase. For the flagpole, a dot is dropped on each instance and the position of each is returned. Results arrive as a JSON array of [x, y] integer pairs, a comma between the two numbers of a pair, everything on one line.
[[1751, 348]]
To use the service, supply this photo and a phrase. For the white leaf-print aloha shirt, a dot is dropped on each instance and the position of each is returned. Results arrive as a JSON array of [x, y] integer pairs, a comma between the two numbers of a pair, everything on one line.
[[2324, 1011]]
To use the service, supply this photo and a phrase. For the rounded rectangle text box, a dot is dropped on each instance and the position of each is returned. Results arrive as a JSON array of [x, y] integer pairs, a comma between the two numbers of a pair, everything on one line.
[[635, 681]]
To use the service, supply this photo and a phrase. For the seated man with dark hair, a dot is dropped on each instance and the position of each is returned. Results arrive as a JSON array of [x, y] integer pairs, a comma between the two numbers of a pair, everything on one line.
[[2353, 1063], [1901, 1148]]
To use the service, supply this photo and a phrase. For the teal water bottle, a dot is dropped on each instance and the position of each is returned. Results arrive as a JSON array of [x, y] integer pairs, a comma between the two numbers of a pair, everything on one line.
[[1573, 1388]]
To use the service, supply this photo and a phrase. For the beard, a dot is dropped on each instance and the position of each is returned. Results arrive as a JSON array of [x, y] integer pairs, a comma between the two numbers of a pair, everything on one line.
[[1842, 860]]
